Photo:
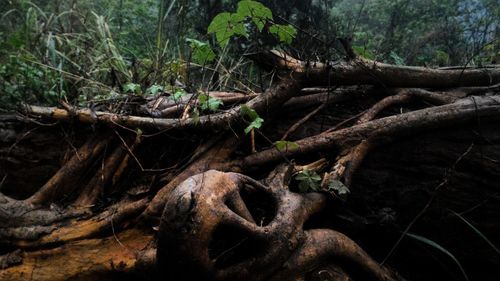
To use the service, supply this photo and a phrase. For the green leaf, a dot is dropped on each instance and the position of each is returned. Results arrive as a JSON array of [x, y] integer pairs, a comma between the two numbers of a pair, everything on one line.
[[303, 186], [220, 26], [315, 177], [82, 100], [138, 132], [247, 111], [113, 95], [339, 188], [302, 176], [285, 33], [209, 103], [51, 96], [202, 98], [308, 180], [154, 89], [255, 124], [362, 51], [214, 103], [225, 25], [286, 145], [132, 88], [201, 51], [443, 58], [196, 116], [259, 13], [177, 96], [440, 248], [397, 59], [256, 121], [238, 25]]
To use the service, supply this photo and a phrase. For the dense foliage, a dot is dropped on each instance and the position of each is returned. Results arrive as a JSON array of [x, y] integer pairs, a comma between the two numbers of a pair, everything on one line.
[[92, 51]]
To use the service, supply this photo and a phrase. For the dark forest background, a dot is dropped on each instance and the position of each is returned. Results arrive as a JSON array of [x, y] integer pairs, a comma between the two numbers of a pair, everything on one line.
[[87, 51]]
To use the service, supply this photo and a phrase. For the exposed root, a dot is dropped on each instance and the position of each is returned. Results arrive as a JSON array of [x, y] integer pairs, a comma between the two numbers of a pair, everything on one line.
[[404, 96], [462, 111], [15, 213], [209, 208], [346, 164], [164, 107], [11, 259], [66, 179], [85, 259], [201, 206], [274, 97], [95, 187], [212, 158], [349, 160], [125, 161], [76, 229], [336, 96], [323, 246], [218, 224], [112, 219], [304, 119]]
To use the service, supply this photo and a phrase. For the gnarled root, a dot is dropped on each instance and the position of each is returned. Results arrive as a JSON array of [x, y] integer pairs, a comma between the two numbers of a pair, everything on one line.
[[219, 226], [324, 247]]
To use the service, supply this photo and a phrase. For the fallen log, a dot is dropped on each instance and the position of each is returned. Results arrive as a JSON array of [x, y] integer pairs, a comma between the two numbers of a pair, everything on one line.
[[363, 71]]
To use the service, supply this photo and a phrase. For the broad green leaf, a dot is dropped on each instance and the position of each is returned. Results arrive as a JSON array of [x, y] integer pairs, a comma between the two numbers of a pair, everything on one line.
[[301, 176], [132, 88], [339, 188], [397, 59], [202, 98], [308, 180], [220, 26], [443, 58], [201, 51], [195, 43], [285, 33], [304, 186], [259, 13], [214, 103], [315, 177], [177, 96], [256, 121], [362, 51], [255, 124], [154, 89], [238, 25], [225, 25], [209, 103], [440, 248], [113, 94], [250, 113], [82, 100], [285, 145]]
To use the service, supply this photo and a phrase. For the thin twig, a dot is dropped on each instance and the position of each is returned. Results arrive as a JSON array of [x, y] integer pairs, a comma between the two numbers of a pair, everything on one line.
[[299, 123]]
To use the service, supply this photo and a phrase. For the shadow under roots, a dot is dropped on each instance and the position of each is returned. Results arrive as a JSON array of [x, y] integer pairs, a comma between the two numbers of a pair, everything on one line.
[[231, 246]]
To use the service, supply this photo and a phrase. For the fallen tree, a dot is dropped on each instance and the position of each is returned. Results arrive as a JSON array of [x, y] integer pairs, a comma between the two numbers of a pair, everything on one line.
[[158, 192]]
